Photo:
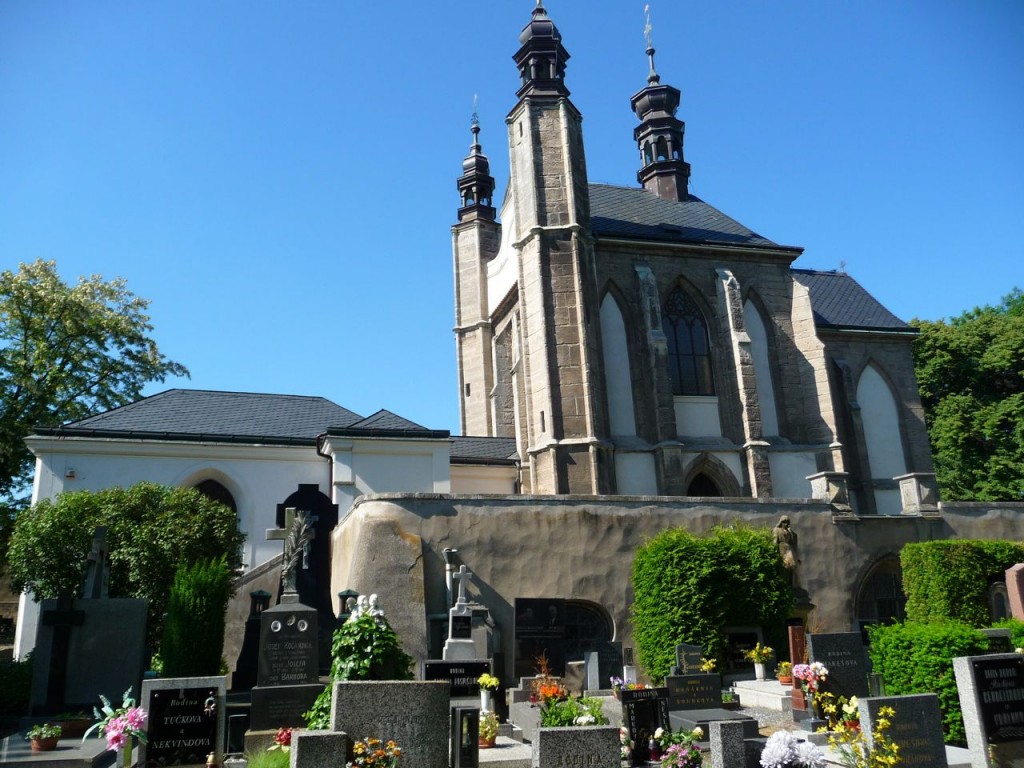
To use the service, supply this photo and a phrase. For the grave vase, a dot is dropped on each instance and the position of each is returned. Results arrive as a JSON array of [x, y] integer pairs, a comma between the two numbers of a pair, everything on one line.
[[485, 700], [759, 670]]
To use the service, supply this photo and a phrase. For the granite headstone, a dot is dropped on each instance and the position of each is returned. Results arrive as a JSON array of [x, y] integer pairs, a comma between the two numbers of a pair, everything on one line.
[[644, 711], [594, 747], [916, 727], [991, 690], [1015, 590], [688, 658], [539, 629], [846, 659]]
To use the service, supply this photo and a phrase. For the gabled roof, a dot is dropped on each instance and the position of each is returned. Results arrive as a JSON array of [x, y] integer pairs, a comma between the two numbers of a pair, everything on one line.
[[197, 414], [840, 302], [386, 424], [484, 450], [635, 213]]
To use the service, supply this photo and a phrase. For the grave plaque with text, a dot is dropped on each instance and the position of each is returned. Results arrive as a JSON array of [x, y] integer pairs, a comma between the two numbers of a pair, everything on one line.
[[991, 690], [844, 656], [688, 657], [916, 727], [694, 692], [185, 718], [644, 711], [461, 675], [539, 629]]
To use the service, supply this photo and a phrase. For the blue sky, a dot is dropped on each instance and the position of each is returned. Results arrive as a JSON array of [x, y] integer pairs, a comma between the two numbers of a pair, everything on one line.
[[279, 178]]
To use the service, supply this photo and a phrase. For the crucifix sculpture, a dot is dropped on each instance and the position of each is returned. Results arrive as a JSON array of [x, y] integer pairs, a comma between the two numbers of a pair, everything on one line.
[[463, 575], [297, 534]]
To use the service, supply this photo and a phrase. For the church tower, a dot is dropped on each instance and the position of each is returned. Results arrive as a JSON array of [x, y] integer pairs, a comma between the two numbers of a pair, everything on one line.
[[532, 295], [475, 242]]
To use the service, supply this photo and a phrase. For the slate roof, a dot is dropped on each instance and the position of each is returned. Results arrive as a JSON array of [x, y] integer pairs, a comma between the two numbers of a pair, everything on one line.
[[636, 213], [484, 450], [197, 414], [839, 301], [386, 424]]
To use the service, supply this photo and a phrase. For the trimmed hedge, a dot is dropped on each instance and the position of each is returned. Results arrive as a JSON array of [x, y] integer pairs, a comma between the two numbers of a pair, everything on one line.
[[688, 588], [196, 613], [918, 658], [949, 580]]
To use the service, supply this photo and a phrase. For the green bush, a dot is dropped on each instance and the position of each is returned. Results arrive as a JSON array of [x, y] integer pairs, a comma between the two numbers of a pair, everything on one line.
[[946, 580], [918, 658], [15, 687], [688, 588], [194, 631], [565, 712], [364, 649], [151, 530]]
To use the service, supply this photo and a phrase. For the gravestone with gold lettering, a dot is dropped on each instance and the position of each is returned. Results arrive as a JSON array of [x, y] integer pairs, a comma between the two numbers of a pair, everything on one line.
[[991, 692], [185, 720]]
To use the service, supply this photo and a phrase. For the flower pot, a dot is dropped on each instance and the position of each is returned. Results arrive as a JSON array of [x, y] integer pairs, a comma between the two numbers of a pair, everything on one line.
[[485, 700], [786, 679], [759, 670], [45, 745], [486, 743]]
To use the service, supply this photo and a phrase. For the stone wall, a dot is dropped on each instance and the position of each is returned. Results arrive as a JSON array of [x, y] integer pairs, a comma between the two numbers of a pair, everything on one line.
[[582, 548]]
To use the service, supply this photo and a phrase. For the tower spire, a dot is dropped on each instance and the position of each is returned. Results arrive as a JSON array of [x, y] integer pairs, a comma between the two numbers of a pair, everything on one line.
[[476, 185], [659, 136], [541, 59]]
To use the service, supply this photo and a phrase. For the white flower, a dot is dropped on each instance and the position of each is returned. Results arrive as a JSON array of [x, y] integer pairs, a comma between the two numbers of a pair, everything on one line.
[[779, 751], [1019, 650], [658, 733], [698, 733], [809, 756], [587, 719]]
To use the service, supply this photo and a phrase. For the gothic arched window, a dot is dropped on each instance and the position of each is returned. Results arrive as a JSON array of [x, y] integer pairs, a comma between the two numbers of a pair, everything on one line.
[[689, 353], [211, 489]]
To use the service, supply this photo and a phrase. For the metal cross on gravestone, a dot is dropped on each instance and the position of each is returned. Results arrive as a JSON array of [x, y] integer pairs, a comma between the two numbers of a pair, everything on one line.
[[463, 575], [300, 524]]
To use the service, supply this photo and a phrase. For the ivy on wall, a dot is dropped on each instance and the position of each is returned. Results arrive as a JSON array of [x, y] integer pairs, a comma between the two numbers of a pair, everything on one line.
[[688, 589], [950, 579]]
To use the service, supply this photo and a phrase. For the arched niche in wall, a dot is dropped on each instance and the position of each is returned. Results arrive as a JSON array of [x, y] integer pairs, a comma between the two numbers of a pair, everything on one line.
[[586, 623], [998, 602], [709, 477], [882, 437], [880, 598]]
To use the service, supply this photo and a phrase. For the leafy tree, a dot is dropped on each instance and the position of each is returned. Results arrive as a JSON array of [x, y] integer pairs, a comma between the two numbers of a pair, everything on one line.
[[151, 531], [67, 352], [971, 374]]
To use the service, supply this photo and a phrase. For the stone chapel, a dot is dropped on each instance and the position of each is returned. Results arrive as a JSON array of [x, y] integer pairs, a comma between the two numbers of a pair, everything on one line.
[[630, 359]]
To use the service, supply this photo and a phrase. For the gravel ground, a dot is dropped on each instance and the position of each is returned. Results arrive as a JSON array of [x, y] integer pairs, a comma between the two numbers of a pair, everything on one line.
[[769, 721]]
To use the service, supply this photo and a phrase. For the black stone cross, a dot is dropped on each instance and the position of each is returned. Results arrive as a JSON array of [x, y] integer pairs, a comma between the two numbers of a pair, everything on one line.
[[62, 619]]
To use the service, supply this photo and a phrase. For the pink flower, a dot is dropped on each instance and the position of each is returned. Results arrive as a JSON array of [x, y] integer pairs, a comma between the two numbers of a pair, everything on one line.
[[135, 717], [114, 727], [116, 741]]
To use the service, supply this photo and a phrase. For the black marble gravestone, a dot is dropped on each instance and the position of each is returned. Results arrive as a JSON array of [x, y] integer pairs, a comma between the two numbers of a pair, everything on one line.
[[644, 711], [539, 629]]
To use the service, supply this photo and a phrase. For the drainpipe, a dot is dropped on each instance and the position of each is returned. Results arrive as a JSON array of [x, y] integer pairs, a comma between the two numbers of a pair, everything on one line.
[[320, 440], [449, 568]]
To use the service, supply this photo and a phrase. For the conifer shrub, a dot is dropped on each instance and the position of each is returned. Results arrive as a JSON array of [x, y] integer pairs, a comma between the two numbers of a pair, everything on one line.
[[366, 648], [946, 580], [194, 630], [918, 658], [688, 588]]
